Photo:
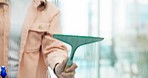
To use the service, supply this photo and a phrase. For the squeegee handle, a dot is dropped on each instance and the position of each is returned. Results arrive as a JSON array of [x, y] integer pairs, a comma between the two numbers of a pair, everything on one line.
[[69, 64], [70, 59]]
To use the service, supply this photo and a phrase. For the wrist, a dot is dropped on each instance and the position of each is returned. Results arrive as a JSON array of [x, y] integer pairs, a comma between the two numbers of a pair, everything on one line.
[[54, 70]]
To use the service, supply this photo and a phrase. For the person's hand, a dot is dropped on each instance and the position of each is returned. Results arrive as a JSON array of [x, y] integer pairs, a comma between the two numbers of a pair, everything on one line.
[[61, 72]]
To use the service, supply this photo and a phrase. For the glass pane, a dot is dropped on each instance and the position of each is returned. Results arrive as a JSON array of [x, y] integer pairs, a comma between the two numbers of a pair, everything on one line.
[[124, 50]]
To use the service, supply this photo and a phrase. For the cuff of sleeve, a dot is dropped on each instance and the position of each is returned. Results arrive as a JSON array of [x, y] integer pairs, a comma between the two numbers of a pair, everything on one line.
[[56, 57]]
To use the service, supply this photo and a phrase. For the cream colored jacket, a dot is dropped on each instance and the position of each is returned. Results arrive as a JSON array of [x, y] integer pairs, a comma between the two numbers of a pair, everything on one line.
[[38, 49]]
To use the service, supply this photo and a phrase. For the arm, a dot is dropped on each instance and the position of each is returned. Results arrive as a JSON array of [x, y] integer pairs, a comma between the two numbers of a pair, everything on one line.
[[56, 51]]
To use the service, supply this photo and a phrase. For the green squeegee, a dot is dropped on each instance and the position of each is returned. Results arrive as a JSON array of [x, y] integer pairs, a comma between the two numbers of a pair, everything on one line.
[[75, 42]]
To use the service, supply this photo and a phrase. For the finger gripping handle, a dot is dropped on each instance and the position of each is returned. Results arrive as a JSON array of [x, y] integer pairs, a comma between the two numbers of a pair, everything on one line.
[[69, 64]]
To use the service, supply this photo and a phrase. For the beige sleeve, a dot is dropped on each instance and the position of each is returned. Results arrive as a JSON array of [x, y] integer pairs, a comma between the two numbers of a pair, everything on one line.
[[54, 50]]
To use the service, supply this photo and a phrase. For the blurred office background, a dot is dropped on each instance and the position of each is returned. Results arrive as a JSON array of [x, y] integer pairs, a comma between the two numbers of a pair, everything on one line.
[[124, 25]]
